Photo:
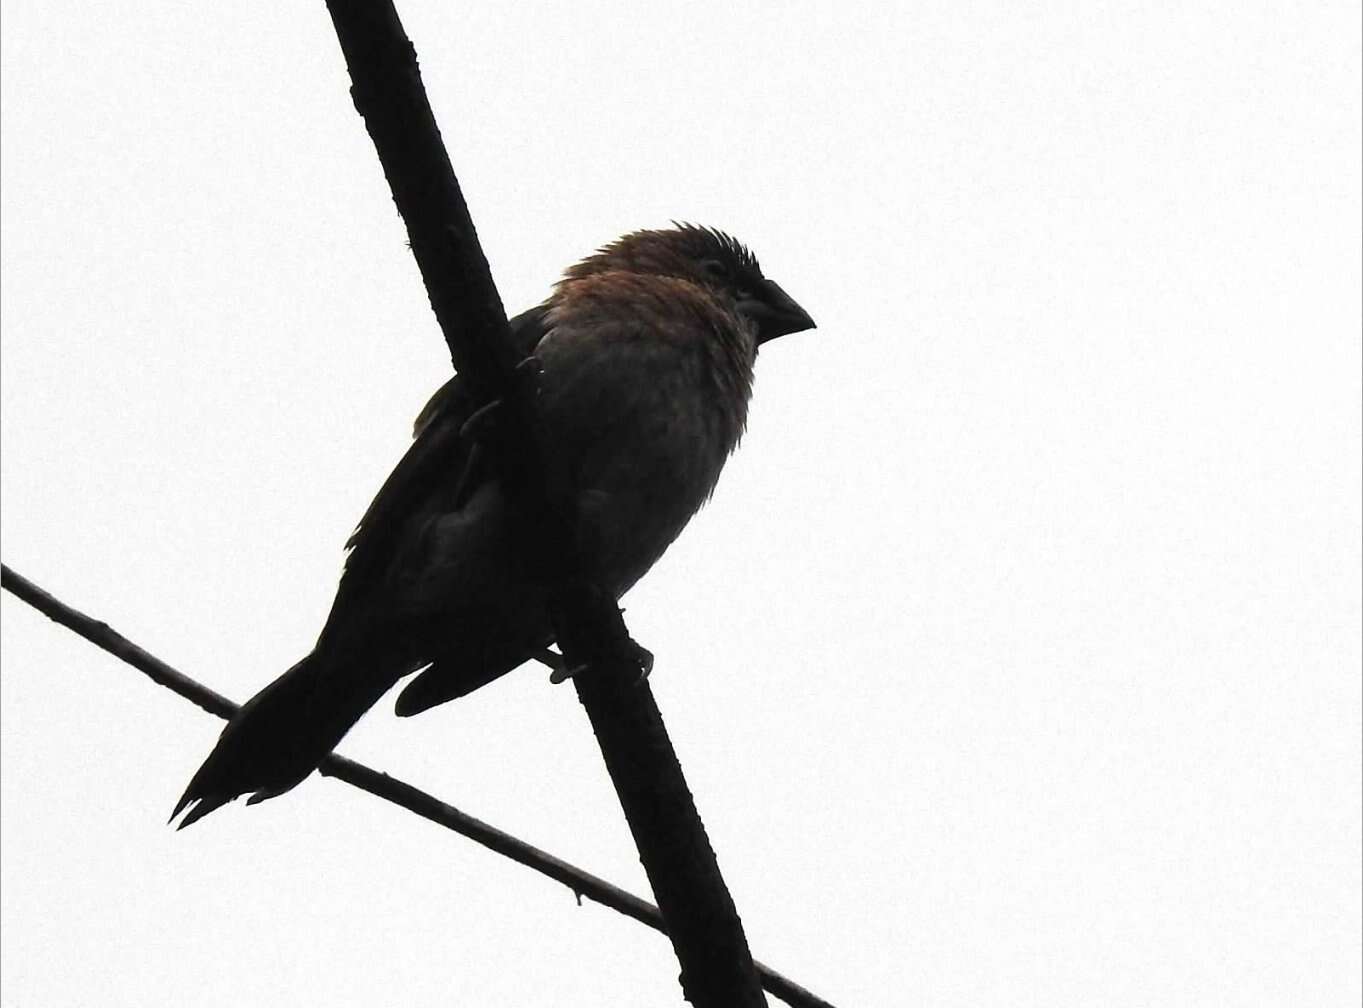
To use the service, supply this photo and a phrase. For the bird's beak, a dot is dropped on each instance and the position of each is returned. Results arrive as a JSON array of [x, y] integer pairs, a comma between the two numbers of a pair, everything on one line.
[[775, 312]]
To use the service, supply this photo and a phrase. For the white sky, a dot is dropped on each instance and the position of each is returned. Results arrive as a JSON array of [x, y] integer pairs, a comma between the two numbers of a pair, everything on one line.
[[1016, 660]]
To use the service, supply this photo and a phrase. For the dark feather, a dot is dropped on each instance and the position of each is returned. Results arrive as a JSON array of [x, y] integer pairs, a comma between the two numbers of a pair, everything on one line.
[[435, 466], [647, 351]]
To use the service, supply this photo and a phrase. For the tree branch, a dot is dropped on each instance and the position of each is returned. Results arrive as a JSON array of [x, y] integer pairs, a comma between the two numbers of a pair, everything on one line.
[[380, 784], [717, 968]]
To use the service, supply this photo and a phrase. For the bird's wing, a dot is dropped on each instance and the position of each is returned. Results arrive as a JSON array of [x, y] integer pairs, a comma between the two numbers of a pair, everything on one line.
[[423, 482]]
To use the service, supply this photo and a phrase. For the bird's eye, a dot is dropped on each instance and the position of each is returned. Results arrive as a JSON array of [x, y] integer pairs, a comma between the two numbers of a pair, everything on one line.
[[716, 269]]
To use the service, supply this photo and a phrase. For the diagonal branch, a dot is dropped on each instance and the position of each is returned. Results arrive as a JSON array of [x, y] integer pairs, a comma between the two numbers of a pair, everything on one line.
[[707, 936], [377, 783]]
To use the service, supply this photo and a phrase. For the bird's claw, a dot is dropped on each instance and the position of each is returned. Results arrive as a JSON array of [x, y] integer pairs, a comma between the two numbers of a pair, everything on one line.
[[529, 369], [485, 420], [645, 659], [481, 422]]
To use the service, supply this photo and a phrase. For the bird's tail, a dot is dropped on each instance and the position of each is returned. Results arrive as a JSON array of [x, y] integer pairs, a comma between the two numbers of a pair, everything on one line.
[[279, 736]]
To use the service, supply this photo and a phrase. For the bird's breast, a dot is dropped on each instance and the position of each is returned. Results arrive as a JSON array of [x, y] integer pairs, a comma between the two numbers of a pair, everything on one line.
[[641, 437]]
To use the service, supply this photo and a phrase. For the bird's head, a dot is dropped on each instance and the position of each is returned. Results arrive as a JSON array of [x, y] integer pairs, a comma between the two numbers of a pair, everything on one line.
[[709, 259]]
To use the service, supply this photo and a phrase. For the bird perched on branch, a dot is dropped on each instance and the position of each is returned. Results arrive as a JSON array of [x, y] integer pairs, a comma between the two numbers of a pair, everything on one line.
[[645, 352]]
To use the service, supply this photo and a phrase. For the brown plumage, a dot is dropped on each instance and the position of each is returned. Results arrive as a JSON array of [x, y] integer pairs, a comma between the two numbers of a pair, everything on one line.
[[647, 349]]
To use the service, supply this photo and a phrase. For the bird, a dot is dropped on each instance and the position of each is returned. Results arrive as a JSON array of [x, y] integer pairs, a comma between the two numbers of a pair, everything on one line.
[[644, 354]]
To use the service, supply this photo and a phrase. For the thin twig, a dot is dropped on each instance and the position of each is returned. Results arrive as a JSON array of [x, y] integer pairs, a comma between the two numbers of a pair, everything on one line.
[[380, 784]]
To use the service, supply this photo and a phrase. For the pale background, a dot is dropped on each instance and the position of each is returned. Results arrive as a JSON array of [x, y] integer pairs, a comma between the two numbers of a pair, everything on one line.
[[1016, 661]]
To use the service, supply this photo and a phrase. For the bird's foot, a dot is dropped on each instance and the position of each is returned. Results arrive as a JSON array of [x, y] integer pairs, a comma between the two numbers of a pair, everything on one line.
[[562, 672]]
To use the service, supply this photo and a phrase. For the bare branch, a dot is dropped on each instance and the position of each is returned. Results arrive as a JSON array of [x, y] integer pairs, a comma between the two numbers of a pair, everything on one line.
[[377, 783], [716, 964]]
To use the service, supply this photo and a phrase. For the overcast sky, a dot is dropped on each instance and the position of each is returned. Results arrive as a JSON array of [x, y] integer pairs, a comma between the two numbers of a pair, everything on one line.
[[1016, 660]]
